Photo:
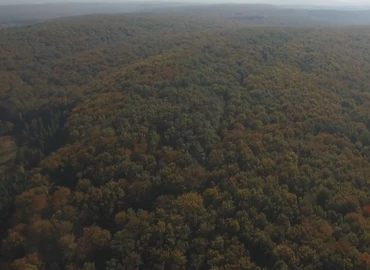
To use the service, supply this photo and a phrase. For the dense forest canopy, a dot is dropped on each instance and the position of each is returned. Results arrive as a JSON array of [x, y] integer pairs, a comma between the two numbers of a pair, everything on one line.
[[170, 141], [11, 15]]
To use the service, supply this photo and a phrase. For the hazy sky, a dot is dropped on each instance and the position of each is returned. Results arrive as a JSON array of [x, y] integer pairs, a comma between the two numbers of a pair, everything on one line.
[[289, 2]]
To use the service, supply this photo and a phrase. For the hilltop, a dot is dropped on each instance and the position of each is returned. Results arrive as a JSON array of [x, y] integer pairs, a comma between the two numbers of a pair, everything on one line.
[[246, 14], [160, 141]]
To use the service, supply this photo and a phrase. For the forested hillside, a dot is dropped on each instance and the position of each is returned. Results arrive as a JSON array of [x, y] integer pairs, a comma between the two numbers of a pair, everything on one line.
[[266, 14], [245, 14], [174, 142], [32, 13]]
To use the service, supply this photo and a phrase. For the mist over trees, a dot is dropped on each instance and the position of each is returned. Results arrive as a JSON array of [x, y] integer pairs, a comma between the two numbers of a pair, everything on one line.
[[282, 13], [170, 140]]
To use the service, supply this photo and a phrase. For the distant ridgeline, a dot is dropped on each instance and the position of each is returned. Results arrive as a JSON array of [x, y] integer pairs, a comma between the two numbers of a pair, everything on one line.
[[173, 141], [250, 14]]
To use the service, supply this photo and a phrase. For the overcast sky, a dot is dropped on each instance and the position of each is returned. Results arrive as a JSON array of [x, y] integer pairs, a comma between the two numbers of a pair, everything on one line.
[[288, 2]]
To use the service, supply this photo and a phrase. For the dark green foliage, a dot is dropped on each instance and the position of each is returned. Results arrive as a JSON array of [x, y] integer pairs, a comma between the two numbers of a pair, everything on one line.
[[11, 184]]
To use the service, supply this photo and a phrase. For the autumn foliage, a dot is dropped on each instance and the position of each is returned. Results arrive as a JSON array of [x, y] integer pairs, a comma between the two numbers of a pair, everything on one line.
[[159, 142]]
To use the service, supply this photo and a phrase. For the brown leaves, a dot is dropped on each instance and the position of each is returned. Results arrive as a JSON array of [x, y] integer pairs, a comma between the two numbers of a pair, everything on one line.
[[30, 262], [68, 246], [120, 219], [94, 238], [190, 202], [38, 203], [365, 260], [286, 254], [12, 244], [60, 198], [311, 229], [40, 229]]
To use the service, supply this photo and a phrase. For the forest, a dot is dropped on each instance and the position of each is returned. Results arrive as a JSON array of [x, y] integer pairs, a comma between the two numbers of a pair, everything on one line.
[[245, 14], [170, 141]]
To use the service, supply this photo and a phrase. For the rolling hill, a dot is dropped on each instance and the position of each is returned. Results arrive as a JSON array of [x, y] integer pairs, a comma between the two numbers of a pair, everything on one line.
[[247, 14], [170, 141]]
